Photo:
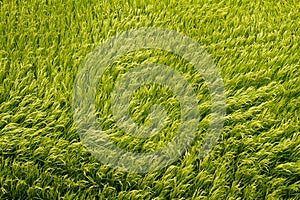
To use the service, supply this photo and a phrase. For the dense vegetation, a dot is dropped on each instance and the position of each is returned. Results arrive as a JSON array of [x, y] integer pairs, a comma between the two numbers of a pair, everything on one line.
[[255, 45]]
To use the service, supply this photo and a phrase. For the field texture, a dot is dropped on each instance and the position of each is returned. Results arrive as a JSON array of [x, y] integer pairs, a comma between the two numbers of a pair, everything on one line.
[[255, 46]]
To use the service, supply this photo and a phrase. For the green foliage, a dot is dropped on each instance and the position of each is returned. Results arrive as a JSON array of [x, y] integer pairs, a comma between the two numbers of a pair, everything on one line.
[[255, 45]]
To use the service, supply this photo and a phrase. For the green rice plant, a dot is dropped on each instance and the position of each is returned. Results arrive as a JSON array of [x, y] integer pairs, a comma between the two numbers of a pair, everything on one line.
[[255, 46]]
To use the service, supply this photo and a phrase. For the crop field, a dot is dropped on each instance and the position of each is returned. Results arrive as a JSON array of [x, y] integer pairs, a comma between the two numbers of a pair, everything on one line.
[[255, 46]]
